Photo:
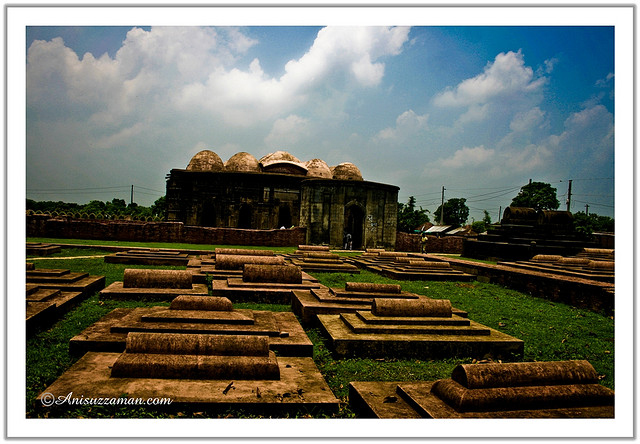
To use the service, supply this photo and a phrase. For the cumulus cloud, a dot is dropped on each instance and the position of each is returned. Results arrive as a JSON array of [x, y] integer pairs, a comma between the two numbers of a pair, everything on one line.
[[475, 156], [528, 120], [506, 76], [407, 124], [287, 132]]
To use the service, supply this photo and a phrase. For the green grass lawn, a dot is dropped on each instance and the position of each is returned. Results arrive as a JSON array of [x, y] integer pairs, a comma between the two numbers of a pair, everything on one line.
[[551, 331]]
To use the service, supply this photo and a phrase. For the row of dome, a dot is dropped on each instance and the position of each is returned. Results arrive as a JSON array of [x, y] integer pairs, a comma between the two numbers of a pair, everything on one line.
[[207, 160]]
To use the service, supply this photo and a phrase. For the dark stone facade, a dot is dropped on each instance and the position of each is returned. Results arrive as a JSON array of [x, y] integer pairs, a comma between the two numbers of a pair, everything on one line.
[[280, 191]]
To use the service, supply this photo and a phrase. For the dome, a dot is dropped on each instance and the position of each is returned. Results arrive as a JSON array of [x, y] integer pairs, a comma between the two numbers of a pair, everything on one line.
[[346, 171], [318, 168], [279, 156], [205, 160], [242, 162]]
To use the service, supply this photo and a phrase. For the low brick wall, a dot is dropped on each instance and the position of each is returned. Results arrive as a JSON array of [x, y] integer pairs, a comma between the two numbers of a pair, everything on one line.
[[446, 244], [68, 228]]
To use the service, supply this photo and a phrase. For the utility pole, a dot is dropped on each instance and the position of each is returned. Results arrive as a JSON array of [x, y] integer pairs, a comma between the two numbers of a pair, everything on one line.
[[442, 207], [586, 208], [499, 213], [569, 196], [131, 200]]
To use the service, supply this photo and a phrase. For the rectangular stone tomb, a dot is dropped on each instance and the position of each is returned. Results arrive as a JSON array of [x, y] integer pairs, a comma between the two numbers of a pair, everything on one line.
[[149, 257], [407, 268], [41, 249], [325, 265], [557, 389], [154, 285], [579, 267], [356, 296], [65, 280], [263, 283], [194, 314], [225, 371], [421, 328], [44, 305]]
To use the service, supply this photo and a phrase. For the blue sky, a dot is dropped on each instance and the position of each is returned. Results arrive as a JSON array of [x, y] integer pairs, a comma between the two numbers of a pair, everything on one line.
[[477, 109]]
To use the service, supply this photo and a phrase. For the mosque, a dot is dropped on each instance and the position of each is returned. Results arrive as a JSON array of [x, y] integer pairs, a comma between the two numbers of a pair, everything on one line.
[[279, 191]]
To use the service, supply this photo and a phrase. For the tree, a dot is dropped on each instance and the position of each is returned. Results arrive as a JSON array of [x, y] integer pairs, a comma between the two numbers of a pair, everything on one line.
[[590, 223], [456, 212], [538, 195], [409, 218], [159, 206]]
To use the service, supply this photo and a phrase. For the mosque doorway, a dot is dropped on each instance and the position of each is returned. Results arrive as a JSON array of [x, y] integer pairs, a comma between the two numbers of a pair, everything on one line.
[[244, 217], [284, 217], [208, 215], [354, 225]]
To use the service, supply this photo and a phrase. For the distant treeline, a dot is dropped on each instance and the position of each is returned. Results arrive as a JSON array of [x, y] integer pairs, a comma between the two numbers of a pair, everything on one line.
[[116, 207]]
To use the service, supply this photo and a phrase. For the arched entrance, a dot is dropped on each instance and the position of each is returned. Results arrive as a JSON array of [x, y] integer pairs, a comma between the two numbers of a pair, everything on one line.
[[354, 224], [208, 214], [244, 217], [284, 217]]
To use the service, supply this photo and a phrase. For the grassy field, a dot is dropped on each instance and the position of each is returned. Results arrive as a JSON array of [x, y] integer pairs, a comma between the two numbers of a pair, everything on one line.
[[551, 331]]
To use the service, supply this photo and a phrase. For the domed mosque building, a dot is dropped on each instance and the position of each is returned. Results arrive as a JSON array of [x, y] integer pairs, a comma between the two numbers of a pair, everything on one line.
[[280, 190]]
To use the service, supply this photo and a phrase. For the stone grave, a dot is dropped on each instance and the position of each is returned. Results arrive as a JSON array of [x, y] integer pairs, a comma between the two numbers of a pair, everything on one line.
[[45, 305], [149, 256], [272, 284], [64, 280], [42, 249], [148, 284], [307, 304], [574, 266], [421, 328], [318, 258], [194, 314], [228, 262], [212, 371], [556, 389], [410, 266]]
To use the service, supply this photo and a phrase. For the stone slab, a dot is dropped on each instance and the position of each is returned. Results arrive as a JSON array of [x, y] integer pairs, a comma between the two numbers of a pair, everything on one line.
[[239, 291], [44, 306], [139, 259], [413, 399], [117, 291], [577, 272], [47, 272], [40, 249], [347, 343], [286, 336], [301, 386], [87, 284]]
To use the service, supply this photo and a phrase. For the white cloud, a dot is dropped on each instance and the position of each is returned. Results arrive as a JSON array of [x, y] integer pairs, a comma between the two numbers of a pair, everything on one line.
[[287, 133], [603, 83], [475, 156], [528, 120], [506, 76], [407, 124]]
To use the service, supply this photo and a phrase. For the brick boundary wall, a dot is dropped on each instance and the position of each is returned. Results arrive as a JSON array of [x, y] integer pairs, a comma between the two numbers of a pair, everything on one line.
[[68, 228], [577, 292], [446, 244]]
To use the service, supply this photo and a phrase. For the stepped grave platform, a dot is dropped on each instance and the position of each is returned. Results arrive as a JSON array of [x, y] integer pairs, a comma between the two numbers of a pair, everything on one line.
[[41, 249], [411, 266], [146, 284], [323, 262], [556, 389], [577, 267], [421, 328], [149, 256], [229, 262], [213, 371], [194, 314], [45, 305], [271, 284], [356, 296], [64, 280]]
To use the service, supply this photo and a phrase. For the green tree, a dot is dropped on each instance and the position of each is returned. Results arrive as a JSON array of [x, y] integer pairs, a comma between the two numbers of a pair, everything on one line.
[[159, 207], [456, 212], [538, 195], [409, 217], [590, 223], [487, 218]]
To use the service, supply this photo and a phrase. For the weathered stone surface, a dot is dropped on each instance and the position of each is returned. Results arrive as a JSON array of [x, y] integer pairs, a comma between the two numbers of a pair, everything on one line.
[[206, 303], [440, 308], [285, 274], [244, 251], [117, 291], [237, 261], [142, 278], [370, 287], [563, 389], [197, 344]]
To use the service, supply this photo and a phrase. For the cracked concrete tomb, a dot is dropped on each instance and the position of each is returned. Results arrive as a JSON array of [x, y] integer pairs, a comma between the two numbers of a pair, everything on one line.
[[556, 389], [152, 284], [415, 328], [307, 304], [217, 371], [194, 314]]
